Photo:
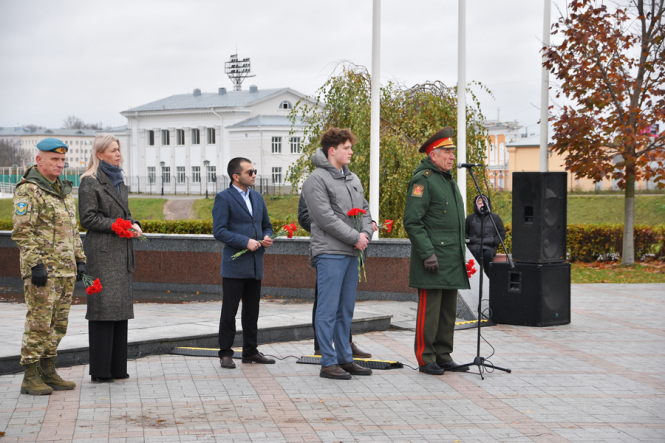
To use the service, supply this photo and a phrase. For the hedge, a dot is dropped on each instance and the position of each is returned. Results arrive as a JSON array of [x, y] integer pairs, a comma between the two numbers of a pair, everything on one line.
[[586, 243]]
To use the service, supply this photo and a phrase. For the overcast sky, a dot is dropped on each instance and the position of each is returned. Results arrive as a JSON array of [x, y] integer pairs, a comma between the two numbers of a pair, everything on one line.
[[94, 59]]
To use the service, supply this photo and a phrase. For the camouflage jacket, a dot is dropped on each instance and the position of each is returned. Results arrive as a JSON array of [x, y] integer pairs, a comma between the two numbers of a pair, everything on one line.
[[45, 226]]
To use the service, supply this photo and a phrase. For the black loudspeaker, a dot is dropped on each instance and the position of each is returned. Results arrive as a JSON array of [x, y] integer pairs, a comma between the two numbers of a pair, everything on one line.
[[531, 294], [539, 217]]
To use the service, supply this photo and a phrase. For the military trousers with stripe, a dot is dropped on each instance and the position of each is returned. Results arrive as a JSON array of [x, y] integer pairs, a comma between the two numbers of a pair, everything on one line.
[[435, 325], [47, 317]]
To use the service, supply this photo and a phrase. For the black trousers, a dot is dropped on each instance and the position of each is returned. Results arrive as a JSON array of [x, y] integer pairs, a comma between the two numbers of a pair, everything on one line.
[[316, 296], [487, 257], [249, 291], [108, 348]]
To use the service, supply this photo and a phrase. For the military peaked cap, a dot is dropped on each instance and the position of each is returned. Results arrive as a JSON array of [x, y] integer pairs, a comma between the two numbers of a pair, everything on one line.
[[52, 145], [442, 139]]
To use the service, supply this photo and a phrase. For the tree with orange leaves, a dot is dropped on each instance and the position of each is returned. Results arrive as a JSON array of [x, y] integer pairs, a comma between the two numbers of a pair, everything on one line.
[[611, 64]]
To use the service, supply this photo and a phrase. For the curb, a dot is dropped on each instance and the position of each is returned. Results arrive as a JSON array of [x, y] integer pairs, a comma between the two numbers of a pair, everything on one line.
[[138, 349]]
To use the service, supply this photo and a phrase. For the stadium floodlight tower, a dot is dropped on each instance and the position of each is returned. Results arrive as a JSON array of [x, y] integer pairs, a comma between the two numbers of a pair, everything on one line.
[[238, 70]]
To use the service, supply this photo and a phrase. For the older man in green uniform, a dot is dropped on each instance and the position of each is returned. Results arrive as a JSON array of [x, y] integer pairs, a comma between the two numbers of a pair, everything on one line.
[[434, 220], [52, 259]]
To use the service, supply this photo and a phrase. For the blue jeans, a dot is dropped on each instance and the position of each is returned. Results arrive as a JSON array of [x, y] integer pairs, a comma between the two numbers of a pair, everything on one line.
[[337, 279]]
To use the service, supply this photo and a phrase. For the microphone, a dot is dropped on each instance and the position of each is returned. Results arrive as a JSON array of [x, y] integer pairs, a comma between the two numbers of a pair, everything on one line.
[[468, 165]]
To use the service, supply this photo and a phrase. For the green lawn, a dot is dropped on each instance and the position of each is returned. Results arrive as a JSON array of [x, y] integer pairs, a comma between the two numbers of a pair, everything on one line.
[[142, 208], [281, 207], [613, 272], [649, 209]]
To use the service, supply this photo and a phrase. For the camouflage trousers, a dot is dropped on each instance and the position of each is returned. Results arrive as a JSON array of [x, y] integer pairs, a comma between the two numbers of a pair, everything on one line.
[[47, 317]]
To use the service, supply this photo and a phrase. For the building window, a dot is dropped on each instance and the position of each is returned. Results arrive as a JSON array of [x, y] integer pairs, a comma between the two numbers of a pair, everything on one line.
[[151, 174], [151, 138], [166, 140], [180, 133], [277, 175], [295, 145], [211, 135], [285, 105], [212, 174], [166, 174], [277, 145], [196, 137], [196, 173], [180, 174]]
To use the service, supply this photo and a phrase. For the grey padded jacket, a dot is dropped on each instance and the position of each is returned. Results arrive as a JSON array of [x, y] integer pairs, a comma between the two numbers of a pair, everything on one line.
[[330, 195]]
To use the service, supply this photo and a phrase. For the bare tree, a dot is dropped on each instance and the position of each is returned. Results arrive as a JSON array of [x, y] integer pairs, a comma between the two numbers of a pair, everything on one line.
[[12, 155], [73, 122]]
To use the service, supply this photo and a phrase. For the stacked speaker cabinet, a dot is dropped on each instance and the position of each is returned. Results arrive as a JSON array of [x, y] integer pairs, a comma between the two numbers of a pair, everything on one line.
[[539, 217], [537, 291]]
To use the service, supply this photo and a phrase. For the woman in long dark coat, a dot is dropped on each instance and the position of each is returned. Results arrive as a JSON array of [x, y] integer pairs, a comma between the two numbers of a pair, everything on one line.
[[110, 258]]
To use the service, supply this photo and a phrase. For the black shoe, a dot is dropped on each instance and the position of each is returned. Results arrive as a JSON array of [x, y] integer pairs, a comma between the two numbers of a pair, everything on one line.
[[453, 367], [227, 362], [432, 369], [102, 379], [122, 377], [354, 368], [258, 358], [334, 372]]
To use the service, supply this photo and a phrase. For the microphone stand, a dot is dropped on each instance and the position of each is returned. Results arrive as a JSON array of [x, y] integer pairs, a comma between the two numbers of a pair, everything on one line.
[[478, 360]]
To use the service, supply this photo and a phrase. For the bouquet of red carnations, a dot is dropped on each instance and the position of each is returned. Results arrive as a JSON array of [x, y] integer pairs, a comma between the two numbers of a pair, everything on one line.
[[287, 230], [386, 226], [357, 214], [91, 286], [124, 229], [470, 269]]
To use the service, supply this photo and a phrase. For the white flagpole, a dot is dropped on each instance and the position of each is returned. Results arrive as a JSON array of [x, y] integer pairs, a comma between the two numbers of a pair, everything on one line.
[[544, 91], [461, 99], [375, 122]]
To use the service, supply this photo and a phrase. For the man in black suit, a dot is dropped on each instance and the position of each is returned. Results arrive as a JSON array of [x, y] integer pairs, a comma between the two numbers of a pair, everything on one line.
[[240, 221]]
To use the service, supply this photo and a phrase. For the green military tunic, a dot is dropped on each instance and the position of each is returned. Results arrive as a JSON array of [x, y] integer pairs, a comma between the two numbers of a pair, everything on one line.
[[434, 221], [46, 231]]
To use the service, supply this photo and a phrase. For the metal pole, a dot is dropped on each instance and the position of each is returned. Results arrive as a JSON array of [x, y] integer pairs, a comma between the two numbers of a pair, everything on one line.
[[461, 99], [375, 129], [544, 91]]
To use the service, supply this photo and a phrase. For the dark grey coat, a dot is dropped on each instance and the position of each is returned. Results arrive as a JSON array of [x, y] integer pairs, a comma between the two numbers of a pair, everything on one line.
[[109, 257]]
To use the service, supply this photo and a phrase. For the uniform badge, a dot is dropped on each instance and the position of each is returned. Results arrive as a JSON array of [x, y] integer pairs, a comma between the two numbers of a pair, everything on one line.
[[417, 191], [21, 208], [61, 150]]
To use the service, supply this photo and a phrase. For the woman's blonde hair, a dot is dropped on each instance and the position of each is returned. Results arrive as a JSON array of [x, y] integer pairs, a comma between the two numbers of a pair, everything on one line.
[[102, 141]]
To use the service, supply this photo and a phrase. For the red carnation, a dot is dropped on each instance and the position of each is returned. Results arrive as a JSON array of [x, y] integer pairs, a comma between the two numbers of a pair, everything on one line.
[[92, 287], [386, 226], [356, 211]]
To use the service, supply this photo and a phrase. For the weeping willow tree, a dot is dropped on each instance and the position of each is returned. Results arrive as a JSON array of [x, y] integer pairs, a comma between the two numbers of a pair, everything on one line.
[[409, 116]]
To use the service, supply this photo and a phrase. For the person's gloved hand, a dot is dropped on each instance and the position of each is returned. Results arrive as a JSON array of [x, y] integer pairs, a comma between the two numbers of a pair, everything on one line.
[[80, 270], [432, 264], [39, 275]]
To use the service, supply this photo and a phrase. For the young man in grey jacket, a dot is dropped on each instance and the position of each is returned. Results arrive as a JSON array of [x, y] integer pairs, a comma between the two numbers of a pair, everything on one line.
[[330, 192]]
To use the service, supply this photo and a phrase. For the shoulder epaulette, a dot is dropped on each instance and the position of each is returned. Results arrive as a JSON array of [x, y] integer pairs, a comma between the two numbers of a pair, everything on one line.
[[427, 173]]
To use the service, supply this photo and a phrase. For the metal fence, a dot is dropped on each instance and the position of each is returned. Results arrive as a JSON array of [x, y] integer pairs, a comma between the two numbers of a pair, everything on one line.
[[177, 184]]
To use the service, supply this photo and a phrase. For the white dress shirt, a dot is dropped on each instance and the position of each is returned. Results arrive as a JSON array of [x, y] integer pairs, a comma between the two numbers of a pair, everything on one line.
[[245, 196]]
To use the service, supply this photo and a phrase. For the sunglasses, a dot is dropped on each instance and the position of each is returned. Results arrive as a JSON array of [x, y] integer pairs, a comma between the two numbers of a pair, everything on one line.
[[251, 172]]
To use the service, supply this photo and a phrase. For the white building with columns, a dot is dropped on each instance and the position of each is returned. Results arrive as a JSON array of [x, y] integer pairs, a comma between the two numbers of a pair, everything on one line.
[[185, 142]]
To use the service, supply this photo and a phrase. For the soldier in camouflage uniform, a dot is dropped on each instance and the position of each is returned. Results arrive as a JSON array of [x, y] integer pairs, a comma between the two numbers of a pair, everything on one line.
[[52, 259]]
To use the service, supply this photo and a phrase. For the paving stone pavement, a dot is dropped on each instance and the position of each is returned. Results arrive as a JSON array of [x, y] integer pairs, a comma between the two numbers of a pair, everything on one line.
[[597, 379]]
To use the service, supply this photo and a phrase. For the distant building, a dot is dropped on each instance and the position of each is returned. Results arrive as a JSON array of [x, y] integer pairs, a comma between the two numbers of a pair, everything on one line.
[[78, 140], [186, 141], [496, 155], [524, 156]]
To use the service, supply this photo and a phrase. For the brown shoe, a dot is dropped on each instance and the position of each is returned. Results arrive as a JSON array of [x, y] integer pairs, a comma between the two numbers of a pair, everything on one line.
[[258, 358], [334, 372], [354, 368], [317, 352], [359, 353], [227, 362]]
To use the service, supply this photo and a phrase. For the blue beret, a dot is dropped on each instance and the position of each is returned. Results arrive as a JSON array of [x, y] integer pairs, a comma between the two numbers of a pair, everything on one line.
[[52, 145]]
